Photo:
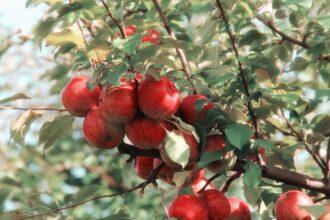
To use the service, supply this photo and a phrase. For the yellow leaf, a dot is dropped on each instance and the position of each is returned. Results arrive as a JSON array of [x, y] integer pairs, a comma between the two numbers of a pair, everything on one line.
[[65, 37], [99, 53]]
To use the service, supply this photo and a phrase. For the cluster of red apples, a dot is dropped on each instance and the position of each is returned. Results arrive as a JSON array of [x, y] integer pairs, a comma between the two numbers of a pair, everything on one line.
[[143, 110]]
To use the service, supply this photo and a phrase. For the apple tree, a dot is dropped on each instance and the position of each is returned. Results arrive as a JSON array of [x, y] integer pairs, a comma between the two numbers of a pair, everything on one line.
[[174, 109]]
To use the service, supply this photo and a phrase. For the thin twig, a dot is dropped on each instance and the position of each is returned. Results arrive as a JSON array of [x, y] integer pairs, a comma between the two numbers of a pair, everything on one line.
[[327, 176], [229, 181], [209, 181], [279, 129], [317, 159], [240, 67], [185, 65], [33, 108], [121, 29]]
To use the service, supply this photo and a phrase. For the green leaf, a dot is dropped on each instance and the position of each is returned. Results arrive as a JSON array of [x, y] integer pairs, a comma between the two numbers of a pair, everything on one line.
[[128, 45], [21, 126], [75, 6], [208, 157], [114, 74], [322, 93], [51, 131], [252, 175], [299, 64], [65, 37], [238, 134], [176, 148], [120, 214], [264, 143], [250, 36], [85, 193], [316, 210], [183, 126], [14, 97], [179, 178], [320, 124], [219, 80]]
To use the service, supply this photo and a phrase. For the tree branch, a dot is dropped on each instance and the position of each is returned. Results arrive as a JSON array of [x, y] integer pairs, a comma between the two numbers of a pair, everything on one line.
[[180, 52], [32, 108], [302, 43], [318, 160], [327, 174], [209, 181], [240, 67], [231, 179], [121, 29]]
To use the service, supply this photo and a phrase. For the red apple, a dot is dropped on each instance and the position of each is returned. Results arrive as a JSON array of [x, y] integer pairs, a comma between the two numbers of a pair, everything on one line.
[[239, 210], [143, 166], [188, 207], [217, 204], [199, 184], [287, 205], [129, 30], [145, 133], [77, 98], [99, 132], [118, 104], [158, 99], [214, 143], [153, 36], [193, 146], [189, 111]]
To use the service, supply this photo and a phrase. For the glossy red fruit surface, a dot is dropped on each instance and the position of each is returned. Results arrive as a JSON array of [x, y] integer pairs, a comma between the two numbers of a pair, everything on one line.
[[158, 99], [77, 99], [217, 204], [239, 210], [188, 108], [129, 30], [143, 166], [145, 133], [118, 104], [188, 207], [287, 206], [99, 132], [214, 143], [153, 36]]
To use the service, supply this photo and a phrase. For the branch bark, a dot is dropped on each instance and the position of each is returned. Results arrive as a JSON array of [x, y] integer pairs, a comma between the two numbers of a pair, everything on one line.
[[185, 65], [32, 108]]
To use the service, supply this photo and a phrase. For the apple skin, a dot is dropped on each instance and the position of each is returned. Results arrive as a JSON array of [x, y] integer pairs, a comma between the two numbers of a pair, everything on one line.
[[145, 133], [153, 36], [188, 108], [118, 104], [77, 99], [129, 30], [188, 207], [239, 210], [214, 143], [193, 146], [217, 204], [158, 99], [99, 133], [199, 184], [287, 205], [143, 166]]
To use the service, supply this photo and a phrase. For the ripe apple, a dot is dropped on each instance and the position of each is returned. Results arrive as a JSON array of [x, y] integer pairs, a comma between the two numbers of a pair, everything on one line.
[[129, 30], [287, 205], [193, 153], [214, 143], [188, 108], [143, 166], [118, 104], [145, 133], [199, 184], [77, 98], [217, 204], [153, 36], [188, 207], [99, 132], [158, 99], [239, 210]]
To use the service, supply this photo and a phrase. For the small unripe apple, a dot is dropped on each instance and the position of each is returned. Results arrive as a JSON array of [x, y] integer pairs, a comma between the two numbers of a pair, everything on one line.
[[158, 99], [217, 204], [153, 36], [188, 108], [199, 184], [214, 143], [193, 151], [99, 132], [188, 207], [77, 98], [145, 133], [143, 166], [129, 30], [287, 205], [118, 104], [239, 210]]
